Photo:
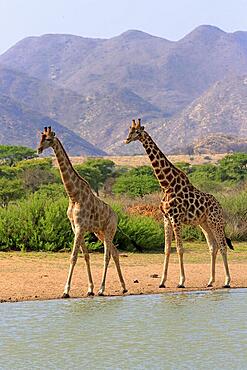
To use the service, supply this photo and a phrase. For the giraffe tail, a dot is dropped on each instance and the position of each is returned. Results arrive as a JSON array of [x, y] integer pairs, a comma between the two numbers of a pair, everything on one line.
[[229, 243]]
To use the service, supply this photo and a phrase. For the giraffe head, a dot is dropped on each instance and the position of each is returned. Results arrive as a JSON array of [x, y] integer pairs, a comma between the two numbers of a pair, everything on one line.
[[47, 139], [135, 131]]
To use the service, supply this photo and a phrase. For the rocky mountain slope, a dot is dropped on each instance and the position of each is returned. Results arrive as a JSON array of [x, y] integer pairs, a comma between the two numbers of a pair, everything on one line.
[[222, 109], [21, 126], [95, 86]]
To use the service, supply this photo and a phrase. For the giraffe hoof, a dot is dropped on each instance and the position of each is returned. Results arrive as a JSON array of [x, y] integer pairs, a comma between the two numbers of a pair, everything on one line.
[[90, 294], [226, 286], [101, 294], [65, 295], [125, 291], [180, 286], [162, 286], [210, 285]]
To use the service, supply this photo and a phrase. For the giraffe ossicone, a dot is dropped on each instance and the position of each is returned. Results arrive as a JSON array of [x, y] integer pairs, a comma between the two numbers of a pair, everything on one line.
[[182, 203], [86, 212]]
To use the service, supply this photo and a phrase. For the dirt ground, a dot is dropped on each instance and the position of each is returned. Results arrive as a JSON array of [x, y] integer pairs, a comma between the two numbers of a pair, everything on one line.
[[40, 276]]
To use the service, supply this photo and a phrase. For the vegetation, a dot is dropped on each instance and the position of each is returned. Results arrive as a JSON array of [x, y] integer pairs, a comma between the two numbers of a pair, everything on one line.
[[33, 201], [10, 154], [136, 182]]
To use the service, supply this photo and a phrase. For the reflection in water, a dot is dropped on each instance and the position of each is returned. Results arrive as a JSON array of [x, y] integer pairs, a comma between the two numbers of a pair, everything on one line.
[[202, 330]]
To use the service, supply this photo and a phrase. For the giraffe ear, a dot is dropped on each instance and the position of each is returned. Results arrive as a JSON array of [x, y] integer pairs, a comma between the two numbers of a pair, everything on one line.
[[142, 128], [53, 134]]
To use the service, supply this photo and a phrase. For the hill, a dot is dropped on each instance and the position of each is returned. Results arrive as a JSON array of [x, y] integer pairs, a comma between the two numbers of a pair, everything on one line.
[[95, 86], [20, 126], [218, 113]]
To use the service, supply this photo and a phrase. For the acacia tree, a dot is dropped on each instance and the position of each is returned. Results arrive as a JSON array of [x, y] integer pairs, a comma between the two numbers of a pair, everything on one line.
[[10, 190], [96, 171], [10, 154], [136, 182], [233, 167]]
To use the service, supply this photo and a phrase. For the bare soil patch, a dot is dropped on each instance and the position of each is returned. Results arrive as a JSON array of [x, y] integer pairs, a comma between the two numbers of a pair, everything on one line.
[[40, 276]]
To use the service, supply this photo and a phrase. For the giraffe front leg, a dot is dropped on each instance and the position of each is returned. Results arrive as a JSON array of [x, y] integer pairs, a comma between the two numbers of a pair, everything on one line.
[[168, 242], [180, 252], [117, 263], [73, 259]]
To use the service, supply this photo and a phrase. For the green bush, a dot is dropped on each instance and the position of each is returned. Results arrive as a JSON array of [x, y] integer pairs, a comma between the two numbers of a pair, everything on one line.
[[235, 214], [190, 233], [144, 231], [233, 168], [36, 223], [136, 182]]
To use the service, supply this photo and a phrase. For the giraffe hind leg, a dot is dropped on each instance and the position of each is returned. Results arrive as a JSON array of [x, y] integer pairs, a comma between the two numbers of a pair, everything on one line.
[[219, 234], [180, 252], [110, 249], [213, 249]]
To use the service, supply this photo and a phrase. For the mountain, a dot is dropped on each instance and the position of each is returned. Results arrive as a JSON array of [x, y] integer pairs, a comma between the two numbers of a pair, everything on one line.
[[219, 143], [86, 116], [222, 109], [20, 126], [95, 87]]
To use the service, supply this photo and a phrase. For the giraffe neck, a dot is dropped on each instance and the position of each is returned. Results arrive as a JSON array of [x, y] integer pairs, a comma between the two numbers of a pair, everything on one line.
[[169, 177], [73, 183]]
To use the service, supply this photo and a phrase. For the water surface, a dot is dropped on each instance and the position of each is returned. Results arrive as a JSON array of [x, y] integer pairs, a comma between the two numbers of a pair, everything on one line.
[[202, 330]]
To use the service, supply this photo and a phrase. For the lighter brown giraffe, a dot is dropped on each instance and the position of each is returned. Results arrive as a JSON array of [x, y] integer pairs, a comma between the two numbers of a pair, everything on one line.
[[86, 212], [182, 203]]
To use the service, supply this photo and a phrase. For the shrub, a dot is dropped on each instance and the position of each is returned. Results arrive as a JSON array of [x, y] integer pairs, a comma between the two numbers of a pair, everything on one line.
[[235, 213], [144, 231], [35, 223]]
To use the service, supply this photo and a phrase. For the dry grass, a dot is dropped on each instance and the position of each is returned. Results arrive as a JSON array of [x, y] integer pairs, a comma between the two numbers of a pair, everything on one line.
[[141, 160]]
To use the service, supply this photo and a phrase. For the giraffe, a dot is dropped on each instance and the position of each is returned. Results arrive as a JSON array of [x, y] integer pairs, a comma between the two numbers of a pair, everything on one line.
[[86, 212], [182, 203]]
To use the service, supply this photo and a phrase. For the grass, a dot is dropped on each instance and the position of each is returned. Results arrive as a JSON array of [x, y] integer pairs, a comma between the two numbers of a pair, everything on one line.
[[141, 160]]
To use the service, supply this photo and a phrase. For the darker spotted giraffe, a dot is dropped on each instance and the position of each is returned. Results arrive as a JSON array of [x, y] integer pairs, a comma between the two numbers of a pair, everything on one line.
[[181, 204], [86, 212]]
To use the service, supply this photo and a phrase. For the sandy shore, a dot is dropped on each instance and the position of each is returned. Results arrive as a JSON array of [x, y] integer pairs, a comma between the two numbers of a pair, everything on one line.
[[40, 276]]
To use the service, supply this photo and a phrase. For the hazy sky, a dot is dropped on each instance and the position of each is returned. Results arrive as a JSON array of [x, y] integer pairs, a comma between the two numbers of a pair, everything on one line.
[[171, 19]]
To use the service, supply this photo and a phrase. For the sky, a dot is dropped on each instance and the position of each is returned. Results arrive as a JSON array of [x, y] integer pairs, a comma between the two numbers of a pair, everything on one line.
[[170, 19]]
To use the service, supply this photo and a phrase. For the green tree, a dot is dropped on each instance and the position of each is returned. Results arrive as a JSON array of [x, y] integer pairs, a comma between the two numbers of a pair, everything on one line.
[[96, 171], [184, 166], [135, 185], [233, 168], [204, 177], [10, 190], [106, 167], [91, 175], [10, 154], [36, 172]]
